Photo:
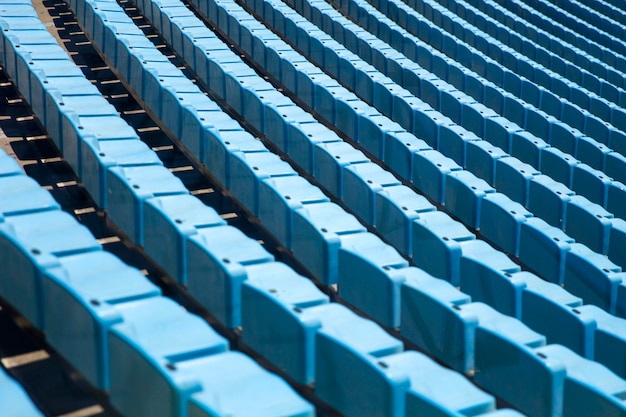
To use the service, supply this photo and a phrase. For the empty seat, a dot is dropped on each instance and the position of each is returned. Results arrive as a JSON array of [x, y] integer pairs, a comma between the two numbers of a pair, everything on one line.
[[543, 249], [396, 208], [487, 276], [216, 267], [79, 304], [592, 276], [464, 195], [370, 275], [437, 245], [168, 222], [30, 243], [130, 187], [279, 319], [432, 318], [318, 230], [588, 386]]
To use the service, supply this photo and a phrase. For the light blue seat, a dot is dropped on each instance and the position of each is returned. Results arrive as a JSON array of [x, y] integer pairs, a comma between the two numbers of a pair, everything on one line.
[[151, 350], [79, 304], [543, 248], [317, 233], [588, 223], [432, 317], [609, 339], [548, 200], [430, 171], [551, 310], [589, 386], [361, 184], [370, 275], [396, 208], [279, 197], [330, 160], [130, 187], [31, 242], [168, 222], [558, 165], [592, 183], [481, 160], [513, 178], [487, 276], [248, 170], [437, 245], [234, 384], [464, 195], [592, 276], [217, 258], [278, 315], [501, 221]]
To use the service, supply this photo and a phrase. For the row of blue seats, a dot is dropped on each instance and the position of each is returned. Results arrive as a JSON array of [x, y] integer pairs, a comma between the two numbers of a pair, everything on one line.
[[566, 86], [113, 325], [467, 151], [13, 399], [557, 30], [450, 182], [594, 19], [581, 72], [533, 34], [526, 147], [498, 290], [344, 335], [352, 287], [162, 9], [566, 19], [538, 88], [609, 9], [369, 171], [106, 318], [562, 60], [378, 352]]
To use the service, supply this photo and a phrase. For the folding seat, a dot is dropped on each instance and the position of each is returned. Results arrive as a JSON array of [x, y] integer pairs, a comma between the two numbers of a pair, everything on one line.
[[592, 277], [31, 242], [432, 317], [614, 166], [168, 222], [609, 339], [513, 178], [437, 245], [285, 194], [592, 183], [370, 275], [80, 296], [509, 366], [588, 223], [396, 207], [464, 195], [558, 165], [150, 349], [588, 386], [430, 171], [487, 276], [592, 152], [278, 315], [361, 184], [130, 187], [318, 230], [501, 221], [481, 160], [543, 248], [330, 161], [548, 200]]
